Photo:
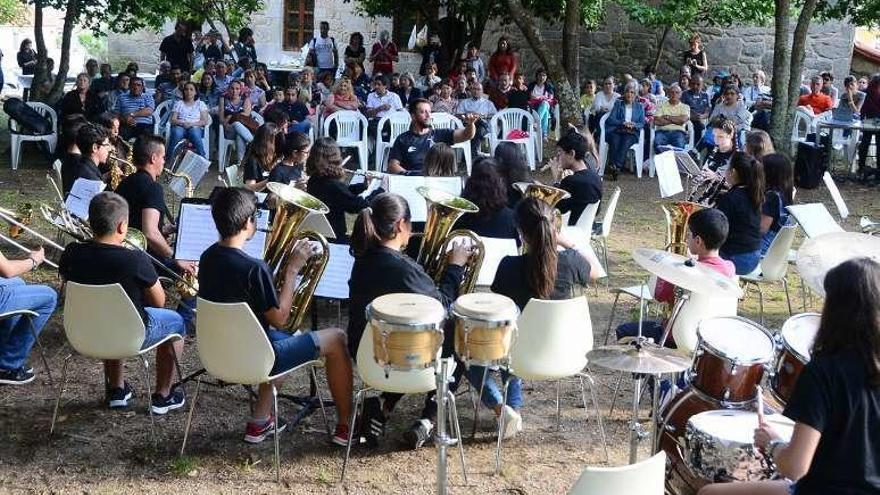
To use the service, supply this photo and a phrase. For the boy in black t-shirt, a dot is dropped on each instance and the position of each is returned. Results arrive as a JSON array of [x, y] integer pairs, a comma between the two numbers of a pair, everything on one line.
[[227, 274], [104, 260], [94, 144], [584, 185]]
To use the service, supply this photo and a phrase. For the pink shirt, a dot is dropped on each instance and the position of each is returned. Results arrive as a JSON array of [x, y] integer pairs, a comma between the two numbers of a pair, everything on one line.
[[665, 292]]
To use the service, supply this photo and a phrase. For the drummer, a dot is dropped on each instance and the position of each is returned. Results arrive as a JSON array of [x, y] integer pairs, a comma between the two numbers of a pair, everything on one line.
[[836, 402], [707, 231], [542, 273], [381, 233]]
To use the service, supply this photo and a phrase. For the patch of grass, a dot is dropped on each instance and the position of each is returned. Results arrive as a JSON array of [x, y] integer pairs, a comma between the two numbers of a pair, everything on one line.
[[183, 466], [325, 477]]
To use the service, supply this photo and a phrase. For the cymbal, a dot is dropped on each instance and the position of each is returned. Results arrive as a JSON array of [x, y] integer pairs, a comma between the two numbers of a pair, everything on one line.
[[820, 254], [686, 273], [650, 359]]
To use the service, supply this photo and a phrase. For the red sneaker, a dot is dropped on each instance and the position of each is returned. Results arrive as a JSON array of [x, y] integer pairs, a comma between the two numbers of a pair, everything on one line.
[[255, 433], [340, 437]]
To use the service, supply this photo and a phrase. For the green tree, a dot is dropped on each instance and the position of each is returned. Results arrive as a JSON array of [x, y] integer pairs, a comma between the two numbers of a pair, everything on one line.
[[13, 12]]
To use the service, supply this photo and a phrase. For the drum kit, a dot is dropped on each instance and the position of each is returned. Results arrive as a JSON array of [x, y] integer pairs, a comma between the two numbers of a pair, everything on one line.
[[407, 337]]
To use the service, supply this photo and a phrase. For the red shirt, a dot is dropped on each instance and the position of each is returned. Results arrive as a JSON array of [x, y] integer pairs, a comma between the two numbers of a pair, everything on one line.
[[665, 292], [500, 63], [819, 103], [383, 58]]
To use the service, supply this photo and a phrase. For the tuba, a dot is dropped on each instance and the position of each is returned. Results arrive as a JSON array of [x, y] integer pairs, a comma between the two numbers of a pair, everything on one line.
[[443, 211], [293, 206], [679, 213], [548, 194]]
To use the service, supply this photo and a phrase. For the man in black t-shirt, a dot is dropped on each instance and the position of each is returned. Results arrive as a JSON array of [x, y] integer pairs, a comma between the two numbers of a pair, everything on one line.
[[94, 144], [227, 274], [177, 48], [408, 152], [104, 260], [584, 185]]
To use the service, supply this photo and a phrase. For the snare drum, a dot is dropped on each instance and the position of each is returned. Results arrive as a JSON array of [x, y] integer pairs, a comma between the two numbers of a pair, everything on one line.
[[731, 355], [719, 445], [795, 341], [484, 327], [407, 330]]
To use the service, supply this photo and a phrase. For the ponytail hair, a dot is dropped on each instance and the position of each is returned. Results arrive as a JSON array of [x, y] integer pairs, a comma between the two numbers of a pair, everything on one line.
[[375, 224], [536, 222]]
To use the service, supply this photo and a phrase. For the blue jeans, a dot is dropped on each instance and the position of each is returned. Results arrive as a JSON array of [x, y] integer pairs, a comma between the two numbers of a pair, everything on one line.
[[619, 143], [745, 263], [242, 136], [493, 395], [302, 127], [16, 337], [293, 350], [194, 135], [676, 139], [161, 323]]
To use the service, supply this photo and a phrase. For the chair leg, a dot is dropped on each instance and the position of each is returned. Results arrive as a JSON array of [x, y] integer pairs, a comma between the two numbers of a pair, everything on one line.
[[321, 402], [357, 403], [189, 417], [60, 391], [478, 402], [558, 422], [611, 318], [42, 351], [760, 302], [452, 411], [277, 444], [803, 293], [592, 383], [146, 367], [177, 366], [787, 296], [501, 426]]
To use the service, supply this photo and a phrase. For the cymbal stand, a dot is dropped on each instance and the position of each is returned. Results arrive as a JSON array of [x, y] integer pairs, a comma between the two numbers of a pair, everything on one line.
[[446, 399]]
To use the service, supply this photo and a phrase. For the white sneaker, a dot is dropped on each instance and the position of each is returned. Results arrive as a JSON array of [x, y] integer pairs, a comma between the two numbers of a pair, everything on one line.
[[512, 422]]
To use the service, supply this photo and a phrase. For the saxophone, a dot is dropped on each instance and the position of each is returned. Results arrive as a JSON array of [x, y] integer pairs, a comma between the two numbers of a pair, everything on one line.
[[119, 169]]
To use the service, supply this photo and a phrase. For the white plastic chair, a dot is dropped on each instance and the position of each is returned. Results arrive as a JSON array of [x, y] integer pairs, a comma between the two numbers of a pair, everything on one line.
[[842, 209], [773, 267], [552, 343], [509, 119], [116, 332], [206, 136], [17, 138], [804, 125], [399, 123], [638, 148], [582, 230], [351, 132], [234, 348], [30, 315], [225, 145], [643, 478], [639, 292], [697, 308], [607, 218], [689, 129], [443, 120], [161, 114], [399, 382]]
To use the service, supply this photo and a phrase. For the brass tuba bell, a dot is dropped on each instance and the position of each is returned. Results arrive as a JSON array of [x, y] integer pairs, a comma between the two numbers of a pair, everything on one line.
[[548, 194], [679, 214]]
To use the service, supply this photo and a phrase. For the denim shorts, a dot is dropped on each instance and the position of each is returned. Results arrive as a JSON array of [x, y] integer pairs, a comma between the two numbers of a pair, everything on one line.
[[160, 324], [293, 350]]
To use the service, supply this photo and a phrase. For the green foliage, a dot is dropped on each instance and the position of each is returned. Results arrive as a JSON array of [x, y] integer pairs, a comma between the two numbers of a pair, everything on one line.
[[12, 12], [865, 13], [95, 46], [682, 16]]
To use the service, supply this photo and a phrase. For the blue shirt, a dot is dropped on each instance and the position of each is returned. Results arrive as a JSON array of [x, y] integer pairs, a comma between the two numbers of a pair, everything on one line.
[[126, 104], [698, 102]]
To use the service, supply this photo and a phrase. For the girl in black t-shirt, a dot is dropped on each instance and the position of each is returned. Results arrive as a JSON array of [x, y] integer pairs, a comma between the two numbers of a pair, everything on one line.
[[290, 169], [780, 193], [486, 189], [742, 207], [835, 447], [260, 157]]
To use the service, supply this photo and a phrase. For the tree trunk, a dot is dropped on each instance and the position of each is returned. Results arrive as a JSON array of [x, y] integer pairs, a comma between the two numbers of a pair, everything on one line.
[[57, 90], [571, 41], [779, 130], [660, 47], [566, 95], [798, 52], [41, 70]]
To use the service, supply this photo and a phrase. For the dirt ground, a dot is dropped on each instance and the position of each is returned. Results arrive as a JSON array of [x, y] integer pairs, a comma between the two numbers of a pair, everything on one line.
[[97, 451]]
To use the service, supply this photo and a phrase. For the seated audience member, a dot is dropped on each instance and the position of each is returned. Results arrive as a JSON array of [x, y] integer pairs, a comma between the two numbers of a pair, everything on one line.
[[603, 102], [227, 274], [135, 109], [408, 90], [480, 106], [325, 84], [104, 84], [221, 77], [543, 272], [256, 94], [708, 230], [733, 109], [168, 89], [443, 100], [19, 332], [851, 97], [460, 88], [459, 71], [816, 102], [834, 402], [407, 155], [486, 189], [210, 94], [588, 94], [518, 96], [758, 91], [779, 194], [625, 123], [498, 92], [581, 181], [669, 121], [381, 101], [343, 97], [261, 156], [78, 99], [163, 76], [742, 207], [296, 111], [234, 112], [439, 161], [656, 84], [189, 119], [327, 183], [289, 170], [430, 79], [697, 99], [475, 62], [94, 145], [758, 144], [870, 110], [542, 96], [360, 82], [105, 260], [828, 87]]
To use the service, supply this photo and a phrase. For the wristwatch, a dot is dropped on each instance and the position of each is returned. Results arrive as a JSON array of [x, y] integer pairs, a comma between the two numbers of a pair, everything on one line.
[[773, 446], [33, 263]]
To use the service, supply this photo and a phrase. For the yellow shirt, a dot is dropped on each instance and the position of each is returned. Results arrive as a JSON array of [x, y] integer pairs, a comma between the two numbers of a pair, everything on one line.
[[586, 101], [668, 110]]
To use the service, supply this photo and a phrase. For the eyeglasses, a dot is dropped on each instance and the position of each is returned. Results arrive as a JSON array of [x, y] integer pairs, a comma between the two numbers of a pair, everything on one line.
[[106, 144]]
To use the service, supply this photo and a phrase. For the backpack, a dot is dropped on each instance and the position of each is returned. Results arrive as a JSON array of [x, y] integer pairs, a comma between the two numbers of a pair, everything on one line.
[[810, 165], [29, 120]]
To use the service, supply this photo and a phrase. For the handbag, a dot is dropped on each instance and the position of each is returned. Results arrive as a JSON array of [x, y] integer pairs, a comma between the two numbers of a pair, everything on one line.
[[246, 120]]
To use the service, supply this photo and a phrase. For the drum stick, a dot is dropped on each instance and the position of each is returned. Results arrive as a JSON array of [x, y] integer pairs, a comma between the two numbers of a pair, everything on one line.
[[760, 404]]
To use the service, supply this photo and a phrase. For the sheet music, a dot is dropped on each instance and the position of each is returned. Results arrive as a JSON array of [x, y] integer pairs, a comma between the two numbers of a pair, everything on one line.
[[196, 232], [495, 250], [317, 222], [814, 218], [81, 195], [405, 185], [261, 197], [194, 167], [667, 174], [686, 163], [334, 281]]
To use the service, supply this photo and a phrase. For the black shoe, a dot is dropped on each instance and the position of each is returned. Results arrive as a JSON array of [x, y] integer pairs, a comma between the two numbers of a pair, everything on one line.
[[613, 173], [175, 400], [117, 398], [373, 424], [418, 433], [16, 377]]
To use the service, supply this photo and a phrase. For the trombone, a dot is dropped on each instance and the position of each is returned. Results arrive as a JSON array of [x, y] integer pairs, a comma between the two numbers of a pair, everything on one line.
[[25, 249], [19, 222]]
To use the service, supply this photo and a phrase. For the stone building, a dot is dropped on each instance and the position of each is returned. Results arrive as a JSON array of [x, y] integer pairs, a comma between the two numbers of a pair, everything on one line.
[[620, 45]]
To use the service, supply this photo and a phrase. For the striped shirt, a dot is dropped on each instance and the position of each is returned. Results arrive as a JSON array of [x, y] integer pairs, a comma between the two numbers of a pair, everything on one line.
[[126, 104]]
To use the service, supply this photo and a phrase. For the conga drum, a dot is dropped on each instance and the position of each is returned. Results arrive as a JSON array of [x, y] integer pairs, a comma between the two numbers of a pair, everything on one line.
[[485, 325], [407, 330], [795, 342]]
